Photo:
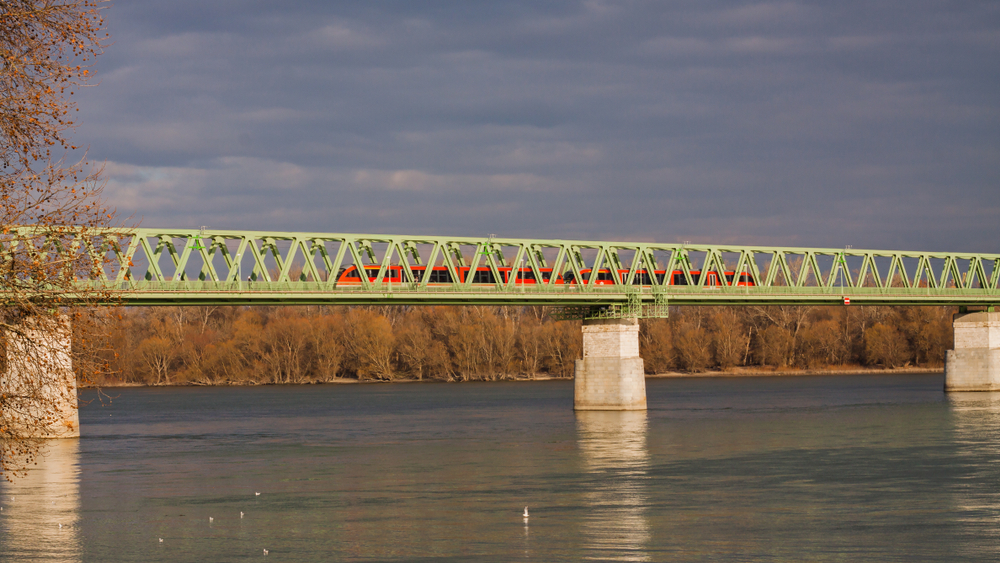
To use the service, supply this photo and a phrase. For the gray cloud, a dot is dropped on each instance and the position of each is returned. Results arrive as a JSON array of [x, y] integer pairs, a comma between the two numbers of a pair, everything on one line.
[[801, 123]]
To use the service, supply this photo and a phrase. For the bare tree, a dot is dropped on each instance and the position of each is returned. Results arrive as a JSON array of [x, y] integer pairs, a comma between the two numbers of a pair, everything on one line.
[[728, 338], [53, 226]]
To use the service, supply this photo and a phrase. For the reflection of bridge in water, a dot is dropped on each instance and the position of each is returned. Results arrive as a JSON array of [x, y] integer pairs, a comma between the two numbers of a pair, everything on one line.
[[976, 434], [613, 449], [34, 506]]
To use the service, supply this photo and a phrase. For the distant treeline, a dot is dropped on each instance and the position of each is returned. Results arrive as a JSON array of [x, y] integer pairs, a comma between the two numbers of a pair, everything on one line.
[[240, 345]]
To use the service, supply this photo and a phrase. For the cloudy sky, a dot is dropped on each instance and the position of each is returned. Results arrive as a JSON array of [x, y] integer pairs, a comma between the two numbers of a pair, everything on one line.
[[814, 123]]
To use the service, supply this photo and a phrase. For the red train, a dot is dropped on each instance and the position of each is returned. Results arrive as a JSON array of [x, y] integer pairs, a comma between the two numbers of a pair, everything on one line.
[[605, 277], [526, 276], [440, 274]]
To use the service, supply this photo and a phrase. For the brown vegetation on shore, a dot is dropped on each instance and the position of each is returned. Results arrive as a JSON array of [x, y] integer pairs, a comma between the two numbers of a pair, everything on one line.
[[275, 345], [813, 338]]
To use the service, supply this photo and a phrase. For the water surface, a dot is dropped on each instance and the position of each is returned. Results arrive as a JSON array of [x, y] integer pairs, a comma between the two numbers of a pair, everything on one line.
[[830, 468]]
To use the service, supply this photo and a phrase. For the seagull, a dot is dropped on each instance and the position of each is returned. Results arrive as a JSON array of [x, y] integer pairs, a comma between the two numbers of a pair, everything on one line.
[[258, 494], [161, 540], [210, 519], [265, 552], [525, 511], [241, 515], [60, 526]]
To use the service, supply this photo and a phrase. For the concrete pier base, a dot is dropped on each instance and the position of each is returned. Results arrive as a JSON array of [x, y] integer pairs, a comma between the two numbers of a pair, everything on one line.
[[974, 364], [610, 376], [39, 373]]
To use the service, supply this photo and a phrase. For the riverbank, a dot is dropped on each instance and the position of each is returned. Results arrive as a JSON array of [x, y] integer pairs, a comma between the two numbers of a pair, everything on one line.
[[778, 372], [735, 372], [334, 381]]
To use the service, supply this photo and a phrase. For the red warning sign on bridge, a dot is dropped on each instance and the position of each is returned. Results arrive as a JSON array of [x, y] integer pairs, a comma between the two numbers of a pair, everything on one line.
[[847, 301]]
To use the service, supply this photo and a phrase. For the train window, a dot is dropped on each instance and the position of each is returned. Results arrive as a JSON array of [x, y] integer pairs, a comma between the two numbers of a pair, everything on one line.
[[546, 276], [440, 276], [679, 279], [605, 275], [525, 275], [641, 278], [660, 276], [483, 276], [730, 278], [351, 274]]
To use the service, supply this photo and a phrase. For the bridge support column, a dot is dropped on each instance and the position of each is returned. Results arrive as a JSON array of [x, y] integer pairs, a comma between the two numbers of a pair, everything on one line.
[[610, 376], [39, 379], [974, 364]]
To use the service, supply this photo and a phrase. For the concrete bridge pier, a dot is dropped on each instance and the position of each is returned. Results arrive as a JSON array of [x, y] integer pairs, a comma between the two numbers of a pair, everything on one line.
[[974, 364], [40, 372], [610, 376]]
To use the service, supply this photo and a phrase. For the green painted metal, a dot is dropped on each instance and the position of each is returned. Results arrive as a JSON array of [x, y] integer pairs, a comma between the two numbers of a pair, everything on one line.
[[150, 266]]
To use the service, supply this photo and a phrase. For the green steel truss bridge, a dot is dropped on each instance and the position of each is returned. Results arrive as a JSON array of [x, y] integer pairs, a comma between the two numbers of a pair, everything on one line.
[[150, 266]]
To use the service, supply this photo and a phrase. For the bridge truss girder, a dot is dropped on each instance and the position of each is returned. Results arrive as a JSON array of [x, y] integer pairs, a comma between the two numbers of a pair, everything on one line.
[[149, 266]]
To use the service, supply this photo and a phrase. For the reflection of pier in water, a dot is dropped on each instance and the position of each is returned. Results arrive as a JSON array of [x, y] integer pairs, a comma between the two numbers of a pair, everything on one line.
[[49, 495], [613, 447], [977, 433]]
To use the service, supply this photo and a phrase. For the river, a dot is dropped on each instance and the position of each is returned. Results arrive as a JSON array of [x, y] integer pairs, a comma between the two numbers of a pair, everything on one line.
[[832, 468]]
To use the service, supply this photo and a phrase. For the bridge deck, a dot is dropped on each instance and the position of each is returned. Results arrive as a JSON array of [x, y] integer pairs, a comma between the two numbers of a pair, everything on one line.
[[306, 293]]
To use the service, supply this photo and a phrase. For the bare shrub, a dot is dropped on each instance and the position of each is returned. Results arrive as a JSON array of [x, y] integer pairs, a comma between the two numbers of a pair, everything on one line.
[[369, 342], [656, 346], [729, 338], [693, 347], [886, 345], [775, 345]]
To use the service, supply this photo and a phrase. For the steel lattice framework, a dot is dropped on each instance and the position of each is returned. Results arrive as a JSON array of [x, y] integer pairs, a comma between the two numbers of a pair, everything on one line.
[[150, 266]]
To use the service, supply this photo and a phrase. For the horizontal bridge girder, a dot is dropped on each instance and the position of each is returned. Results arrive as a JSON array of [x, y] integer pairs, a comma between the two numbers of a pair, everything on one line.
[[148, 266], [487, 296]]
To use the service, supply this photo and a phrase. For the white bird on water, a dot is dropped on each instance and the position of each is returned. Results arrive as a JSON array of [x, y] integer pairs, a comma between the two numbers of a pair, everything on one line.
[[526, 512], [241, 515], [258, 494], [161, 540], [210, 519], [265, 552]]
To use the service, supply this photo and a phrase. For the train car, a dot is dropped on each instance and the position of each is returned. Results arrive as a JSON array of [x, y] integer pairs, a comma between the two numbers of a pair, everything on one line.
[[442, 275], [527, 276], [483, 275], [642, 277], [351, 275], [744, 279]]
